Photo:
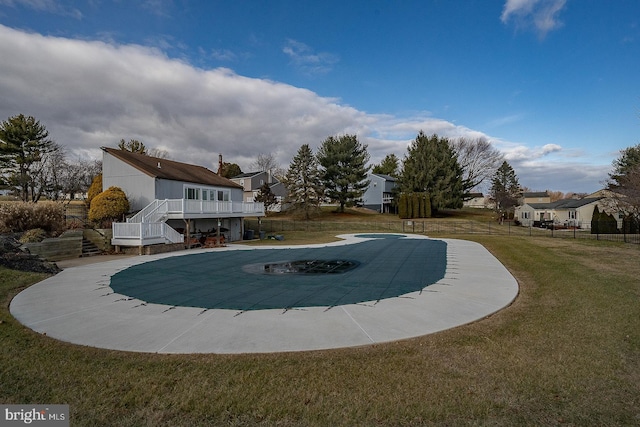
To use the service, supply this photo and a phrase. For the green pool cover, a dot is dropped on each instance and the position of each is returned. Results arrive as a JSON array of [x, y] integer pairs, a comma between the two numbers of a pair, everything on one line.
[[386, 267]]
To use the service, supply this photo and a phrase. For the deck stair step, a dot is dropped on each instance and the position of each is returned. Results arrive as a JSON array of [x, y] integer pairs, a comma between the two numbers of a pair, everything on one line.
[[89, 248]]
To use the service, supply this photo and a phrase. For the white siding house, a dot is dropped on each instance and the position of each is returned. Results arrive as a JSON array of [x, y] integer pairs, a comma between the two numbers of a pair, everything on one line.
[[168, 195], [565, 212]]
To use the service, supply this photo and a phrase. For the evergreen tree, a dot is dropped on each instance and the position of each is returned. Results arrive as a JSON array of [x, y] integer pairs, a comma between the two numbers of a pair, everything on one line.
[[624, 183], [505, 189], [343, 167], [388, 166], [25, 148], [431, 166], [303, 183], [266, 196], [229, 170]]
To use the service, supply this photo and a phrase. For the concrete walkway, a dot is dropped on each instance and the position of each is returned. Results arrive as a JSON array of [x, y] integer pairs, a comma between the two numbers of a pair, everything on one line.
[[78, 306]]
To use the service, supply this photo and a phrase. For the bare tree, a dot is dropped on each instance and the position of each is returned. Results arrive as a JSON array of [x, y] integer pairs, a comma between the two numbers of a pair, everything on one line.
[[60, 178], [479, 160], [267, 163], [159, 153]]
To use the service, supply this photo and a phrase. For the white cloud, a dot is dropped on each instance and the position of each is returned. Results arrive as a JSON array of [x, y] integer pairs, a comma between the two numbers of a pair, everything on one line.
[[550, 148], [93, 93], [521, 152], [542, 15], [506, 120], [50, 6], [308, 61]]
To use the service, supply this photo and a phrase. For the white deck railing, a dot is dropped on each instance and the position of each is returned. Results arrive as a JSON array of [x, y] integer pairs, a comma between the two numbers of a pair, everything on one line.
[[159, 210], [148, 227], [144, 233]]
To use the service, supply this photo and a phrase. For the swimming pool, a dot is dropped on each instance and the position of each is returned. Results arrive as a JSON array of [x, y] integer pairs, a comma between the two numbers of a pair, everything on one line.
[[382, 266]]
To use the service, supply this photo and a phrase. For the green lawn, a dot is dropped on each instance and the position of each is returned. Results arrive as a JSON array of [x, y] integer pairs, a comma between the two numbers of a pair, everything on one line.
[[567, 351]]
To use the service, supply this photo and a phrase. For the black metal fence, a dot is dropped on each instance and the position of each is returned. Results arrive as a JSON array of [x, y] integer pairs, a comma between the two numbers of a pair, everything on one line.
[[435, 228]]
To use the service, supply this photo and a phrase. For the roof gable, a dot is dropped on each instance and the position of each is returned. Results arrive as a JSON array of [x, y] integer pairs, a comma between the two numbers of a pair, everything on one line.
[[169, 169]]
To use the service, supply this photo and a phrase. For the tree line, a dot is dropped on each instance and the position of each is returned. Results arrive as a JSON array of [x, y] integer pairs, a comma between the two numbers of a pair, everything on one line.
[[34, 166], [436, 173]]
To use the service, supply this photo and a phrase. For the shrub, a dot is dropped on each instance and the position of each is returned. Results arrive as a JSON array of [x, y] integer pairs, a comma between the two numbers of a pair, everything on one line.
[[94, 189], [34, 235], [22, 216], [108, 206], [403, 206], [414, 205], [603, 223]]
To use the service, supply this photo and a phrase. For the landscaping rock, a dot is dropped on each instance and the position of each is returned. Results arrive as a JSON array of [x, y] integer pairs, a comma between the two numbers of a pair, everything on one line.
[[13, 257]]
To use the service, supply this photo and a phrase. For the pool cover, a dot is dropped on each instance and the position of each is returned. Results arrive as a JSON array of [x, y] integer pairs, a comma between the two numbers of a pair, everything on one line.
[[387, 266]]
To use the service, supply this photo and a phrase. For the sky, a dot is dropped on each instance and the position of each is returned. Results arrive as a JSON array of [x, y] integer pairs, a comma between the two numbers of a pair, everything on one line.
[[554, 85]]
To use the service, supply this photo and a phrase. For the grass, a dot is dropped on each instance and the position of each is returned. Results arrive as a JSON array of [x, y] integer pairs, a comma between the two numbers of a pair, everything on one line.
[[567, 351]]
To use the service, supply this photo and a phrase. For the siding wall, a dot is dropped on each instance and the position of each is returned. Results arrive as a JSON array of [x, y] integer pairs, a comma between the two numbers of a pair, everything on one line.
[[139, 187]]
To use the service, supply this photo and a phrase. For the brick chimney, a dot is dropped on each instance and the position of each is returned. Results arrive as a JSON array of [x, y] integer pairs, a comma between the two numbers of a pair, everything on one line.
[[220, 164]]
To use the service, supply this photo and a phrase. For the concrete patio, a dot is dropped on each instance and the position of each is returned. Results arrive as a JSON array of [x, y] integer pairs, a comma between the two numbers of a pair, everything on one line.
[[79, 306]]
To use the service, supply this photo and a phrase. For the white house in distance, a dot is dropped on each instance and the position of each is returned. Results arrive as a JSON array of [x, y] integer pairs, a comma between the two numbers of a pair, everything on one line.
[[379, 194], [251, 183], [476, 201], [565, 212], [171, 198]]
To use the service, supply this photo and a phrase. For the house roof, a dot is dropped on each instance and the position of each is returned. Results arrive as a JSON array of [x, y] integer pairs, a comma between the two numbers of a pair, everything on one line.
[[168, 169], [535, 194], [247, 175], [565, 203], [385, 177]]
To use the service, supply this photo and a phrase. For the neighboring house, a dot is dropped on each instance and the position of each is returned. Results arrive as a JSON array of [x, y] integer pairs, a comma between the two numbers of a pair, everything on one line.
[[251, 183], [170, 195], [379, 194], [565, 212], [535, 197], [476, 200]]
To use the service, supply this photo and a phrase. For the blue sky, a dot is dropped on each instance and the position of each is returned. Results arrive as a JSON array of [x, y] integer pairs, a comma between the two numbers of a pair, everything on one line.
[[553, 84]]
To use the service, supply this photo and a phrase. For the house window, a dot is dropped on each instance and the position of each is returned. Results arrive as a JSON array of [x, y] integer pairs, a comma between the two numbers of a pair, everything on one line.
[[223, 196], [525, 215], [191, 193], [573, 214]]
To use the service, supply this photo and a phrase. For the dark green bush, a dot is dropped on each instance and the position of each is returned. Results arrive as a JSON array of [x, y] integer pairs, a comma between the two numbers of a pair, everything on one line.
[[414, 205]]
